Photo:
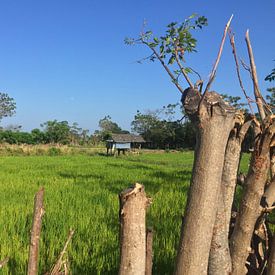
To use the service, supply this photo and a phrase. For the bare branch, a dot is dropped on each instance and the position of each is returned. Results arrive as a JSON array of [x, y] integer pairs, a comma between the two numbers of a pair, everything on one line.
[[232, 42], [174, 79], [183, 70], [35, 233], [258, 96], [246, 67], [58, 265], [213, 73]]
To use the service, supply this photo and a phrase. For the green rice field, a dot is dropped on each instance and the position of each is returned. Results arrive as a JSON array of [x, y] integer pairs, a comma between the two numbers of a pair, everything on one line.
[[81, 192]]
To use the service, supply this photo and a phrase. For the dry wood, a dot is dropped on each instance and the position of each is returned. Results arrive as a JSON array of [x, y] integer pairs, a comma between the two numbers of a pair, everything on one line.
[[214, 120], [4, 262], [35, 233], [250, 209], [133, 205], [258, 96], [214, 70], [232, 42], [219, 258], [271, 259], [149, 252], [58, 266]]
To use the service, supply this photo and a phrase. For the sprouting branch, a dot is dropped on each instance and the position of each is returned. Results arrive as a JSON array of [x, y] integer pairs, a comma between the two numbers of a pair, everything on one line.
[[214, 70], [232, 42], [174, 79], [258, 96]]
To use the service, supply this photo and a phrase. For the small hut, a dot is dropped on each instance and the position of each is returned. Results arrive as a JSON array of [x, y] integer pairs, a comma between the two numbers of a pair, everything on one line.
[[123, 142]]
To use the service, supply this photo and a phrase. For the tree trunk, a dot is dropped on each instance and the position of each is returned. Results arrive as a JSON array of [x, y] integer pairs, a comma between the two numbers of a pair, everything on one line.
[[133, 204], [250, 208], [271, 259], [219, 258], [214, 120], [35, 233]]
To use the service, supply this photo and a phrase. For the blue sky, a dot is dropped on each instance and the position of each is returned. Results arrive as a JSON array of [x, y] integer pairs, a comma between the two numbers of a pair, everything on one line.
[[66, 59]]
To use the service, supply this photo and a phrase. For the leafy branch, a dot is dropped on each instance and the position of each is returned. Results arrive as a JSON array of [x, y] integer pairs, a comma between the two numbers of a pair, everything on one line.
[[171, 48]]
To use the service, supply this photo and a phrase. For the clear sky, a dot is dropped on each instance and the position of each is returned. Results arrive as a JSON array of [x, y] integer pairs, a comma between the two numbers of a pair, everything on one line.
[[66, 59]]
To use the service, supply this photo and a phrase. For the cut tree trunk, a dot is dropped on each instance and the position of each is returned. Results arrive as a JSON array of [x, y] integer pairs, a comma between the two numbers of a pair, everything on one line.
[[250, 208], [35, 233], [214, 120], [133, 205], [219, 258]]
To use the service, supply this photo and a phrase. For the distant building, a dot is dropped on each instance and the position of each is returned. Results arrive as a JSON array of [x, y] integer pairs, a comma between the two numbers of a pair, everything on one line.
[[123, 142]]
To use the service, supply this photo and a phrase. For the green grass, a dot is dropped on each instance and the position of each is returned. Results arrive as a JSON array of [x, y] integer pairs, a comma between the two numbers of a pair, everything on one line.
[[81, 192]]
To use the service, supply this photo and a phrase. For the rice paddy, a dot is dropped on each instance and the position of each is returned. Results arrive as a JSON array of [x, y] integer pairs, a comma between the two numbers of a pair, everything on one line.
[[81, 192]]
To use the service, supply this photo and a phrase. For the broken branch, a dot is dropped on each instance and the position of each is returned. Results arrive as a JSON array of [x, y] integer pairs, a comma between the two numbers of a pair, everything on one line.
[[214, 70], [258, 96], [58, 265]]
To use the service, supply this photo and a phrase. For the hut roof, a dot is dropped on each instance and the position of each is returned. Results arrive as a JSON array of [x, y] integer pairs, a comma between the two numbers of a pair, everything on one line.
[[126, 138]]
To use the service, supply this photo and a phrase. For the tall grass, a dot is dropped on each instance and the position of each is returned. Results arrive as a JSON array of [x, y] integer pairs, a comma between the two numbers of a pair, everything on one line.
[[81, 192]]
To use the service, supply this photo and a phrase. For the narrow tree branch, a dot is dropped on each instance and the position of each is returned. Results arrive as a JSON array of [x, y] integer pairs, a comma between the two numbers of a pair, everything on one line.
[[258, 96], [232, 42], [58, 265], [4, 262], [213, 73], [35, 233], [183, 70], [174, 80]]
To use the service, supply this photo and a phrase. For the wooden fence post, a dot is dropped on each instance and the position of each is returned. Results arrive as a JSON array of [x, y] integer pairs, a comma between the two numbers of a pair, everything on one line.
[[35, 233]]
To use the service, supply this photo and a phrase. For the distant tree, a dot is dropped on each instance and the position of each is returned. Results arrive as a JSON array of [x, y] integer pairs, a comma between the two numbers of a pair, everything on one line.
[[107, 127], [161, 130], [7, 105], [271, 96], [57, 131], [38, 136]]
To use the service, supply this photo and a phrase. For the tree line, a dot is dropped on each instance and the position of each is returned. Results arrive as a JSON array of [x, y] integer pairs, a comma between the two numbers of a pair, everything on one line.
[[164, 128]]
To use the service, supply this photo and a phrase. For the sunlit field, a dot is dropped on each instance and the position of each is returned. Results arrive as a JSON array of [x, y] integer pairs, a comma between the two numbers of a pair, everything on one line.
[[81, 192]]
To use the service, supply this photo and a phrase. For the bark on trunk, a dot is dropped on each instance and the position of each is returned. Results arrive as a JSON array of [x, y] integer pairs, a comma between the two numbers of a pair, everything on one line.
[[149, 252], [269, 194], [219, 258], [214, 120], [35, 233], [250, 208], [271, 259], [133, 204]]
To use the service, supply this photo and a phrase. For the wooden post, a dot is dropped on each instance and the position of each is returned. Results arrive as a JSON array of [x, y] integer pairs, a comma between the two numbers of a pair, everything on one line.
[[35, 233], [133, 205]]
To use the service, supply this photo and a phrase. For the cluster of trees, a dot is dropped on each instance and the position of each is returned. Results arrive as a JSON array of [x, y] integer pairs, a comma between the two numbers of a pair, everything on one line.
[[161, 130], [52, 132]]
